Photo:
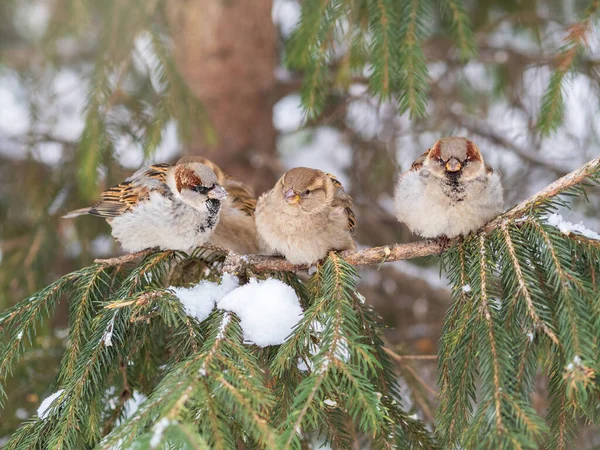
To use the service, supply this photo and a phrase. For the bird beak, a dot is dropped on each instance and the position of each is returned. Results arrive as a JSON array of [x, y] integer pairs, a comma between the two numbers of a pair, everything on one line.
[[453, 165], [217, 192], [291, 197]]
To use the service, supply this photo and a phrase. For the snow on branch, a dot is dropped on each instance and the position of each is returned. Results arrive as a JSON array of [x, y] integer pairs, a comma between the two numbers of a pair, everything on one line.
[[395, 252]]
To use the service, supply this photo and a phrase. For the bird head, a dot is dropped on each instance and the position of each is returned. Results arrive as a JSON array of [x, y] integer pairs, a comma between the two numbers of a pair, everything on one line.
[[197, 186], [455, 157], [306, 189]]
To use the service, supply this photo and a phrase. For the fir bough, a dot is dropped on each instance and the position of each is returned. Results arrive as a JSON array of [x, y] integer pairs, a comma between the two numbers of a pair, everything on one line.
[[205, 387], [526, 302], [393, 33]]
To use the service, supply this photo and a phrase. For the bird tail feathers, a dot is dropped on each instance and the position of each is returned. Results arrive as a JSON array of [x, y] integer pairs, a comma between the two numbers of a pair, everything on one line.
[[77, 213]]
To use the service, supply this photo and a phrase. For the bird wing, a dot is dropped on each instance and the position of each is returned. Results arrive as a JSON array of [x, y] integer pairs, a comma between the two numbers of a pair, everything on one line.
[[242, 196], [137, 188], [344, 200], [419, 161]]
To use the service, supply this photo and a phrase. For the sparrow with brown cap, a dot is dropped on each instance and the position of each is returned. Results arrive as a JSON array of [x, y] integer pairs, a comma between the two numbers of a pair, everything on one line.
[[304, 216], [236, 229], [449, 191], [172, 207]]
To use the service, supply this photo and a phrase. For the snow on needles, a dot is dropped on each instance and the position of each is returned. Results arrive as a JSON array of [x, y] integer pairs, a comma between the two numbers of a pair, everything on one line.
[[268, 310], [200, 299], [567, 228], [45, 406]]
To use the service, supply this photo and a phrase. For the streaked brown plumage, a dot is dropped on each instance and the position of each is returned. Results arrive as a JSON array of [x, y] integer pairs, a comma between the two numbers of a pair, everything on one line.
[[172, 207]]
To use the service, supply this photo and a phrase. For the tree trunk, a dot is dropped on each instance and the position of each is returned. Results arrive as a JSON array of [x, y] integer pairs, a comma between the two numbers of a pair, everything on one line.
[[226, 52]]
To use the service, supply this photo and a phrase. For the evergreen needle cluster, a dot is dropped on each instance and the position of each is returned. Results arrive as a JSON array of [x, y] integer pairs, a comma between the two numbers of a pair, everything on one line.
[[387, 37], [526, 300]]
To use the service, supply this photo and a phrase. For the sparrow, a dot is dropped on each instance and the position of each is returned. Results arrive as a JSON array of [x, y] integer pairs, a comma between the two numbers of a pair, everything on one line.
[[172, 207], [236, 229], [304, 216], [448, 191]]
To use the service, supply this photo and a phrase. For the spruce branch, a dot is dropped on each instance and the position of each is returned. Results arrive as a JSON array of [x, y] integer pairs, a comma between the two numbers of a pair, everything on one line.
[[524, 289], [460, 25], [388, 253], [553, 108], [414, 15], [384, 54]]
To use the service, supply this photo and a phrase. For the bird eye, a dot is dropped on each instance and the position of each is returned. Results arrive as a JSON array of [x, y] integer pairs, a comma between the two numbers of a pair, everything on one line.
[[306, 192], [200, 189], [441, 160]]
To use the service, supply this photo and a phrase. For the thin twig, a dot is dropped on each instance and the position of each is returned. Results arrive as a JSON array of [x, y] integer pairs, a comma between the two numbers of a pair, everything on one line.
[[396, 252], [401, 358], [421, 381], [120, 260]]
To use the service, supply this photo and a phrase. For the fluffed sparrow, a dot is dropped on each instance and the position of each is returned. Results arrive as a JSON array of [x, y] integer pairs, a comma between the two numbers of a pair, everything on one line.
[[304, 216], [448, 191], [236, 229], [172, 207]]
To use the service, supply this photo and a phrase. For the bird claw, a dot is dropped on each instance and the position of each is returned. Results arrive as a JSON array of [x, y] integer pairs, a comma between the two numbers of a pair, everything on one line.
[[444, 242]]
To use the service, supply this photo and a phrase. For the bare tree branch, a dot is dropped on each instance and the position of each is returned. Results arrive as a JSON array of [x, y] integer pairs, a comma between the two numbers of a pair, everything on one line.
[[235, 263]]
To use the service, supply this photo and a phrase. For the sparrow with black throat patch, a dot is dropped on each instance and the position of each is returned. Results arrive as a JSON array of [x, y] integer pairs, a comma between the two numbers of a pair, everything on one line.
[[448, 191], [304, 216], [236, 229], [172, 207]]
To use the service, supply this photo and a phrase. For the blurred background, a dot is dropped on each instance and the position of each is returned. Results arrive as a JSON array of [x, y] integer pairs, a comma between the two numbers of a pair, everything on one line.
[[91, 91]]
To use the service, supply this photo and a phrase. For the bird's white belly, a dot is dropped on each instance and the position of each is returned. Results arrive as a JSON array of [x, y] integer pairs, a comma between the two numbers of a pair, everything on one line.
[[427, 210], [158, 222]]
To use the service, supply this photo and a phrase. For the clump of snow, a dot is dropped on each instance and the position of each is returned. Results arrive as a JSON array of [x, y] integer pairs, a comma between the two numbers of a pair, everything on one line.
[[302, 367], [224, 323], [107, 337], [566, 228], [200, 299], [330, 402], [268, 310], [577, 362], [466, 288], [20, 335], [132, 405], [157, 431], [342, 351], [45, 406], [530, 336]]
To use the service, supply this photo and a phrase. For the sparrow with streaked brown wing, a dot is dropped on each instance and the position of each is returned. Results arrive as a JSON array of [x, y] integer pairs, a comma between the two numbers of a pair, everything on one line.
[[236, 229], [172, 207], [304, 216], [449, 190]]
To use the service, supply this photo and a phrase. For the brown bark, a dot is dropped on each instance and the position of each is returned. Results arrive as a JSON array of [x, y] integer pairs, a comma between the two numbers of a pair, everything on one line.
[[226, 52]]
